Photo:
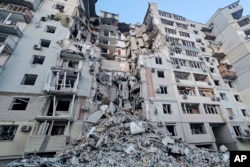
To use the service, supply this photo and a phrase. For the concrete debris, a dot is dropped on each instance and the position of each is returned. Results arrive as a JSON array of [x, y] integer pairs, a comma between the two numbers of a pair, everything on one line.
[[136, 128], [167, 140], [95, 117], [223, 148], [125, 139]]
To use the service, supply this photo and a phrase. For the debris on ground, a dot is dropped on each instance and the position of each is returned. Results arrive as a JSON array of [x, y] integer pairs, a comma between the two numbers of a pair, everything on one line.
[[124, 139]]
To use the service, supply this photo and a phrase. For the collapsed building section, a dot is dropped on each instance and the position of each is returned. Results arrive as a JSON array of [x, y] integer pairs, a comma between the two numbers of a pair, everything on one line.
[[103, 84]]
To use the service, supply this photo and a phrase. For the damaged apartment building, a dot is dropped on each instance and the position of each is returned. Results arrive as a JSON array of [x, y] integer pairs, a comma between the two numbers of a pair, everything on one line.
[[193, 82], [62, 66], [46, 68]]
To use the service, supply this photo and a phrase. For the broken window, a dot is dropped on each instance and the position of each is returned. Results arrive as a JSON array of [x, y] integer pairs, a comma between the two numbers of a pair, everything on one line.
[[171, 130], [57, 130], [206, 92], [203, 49], [19, 103], [182, 75], [177, 50], [51, 128], [207, 59], [191, 53], [38, 59], [160, 74], [195, 32], [45, 43], [237, 130], [62, 105], [158, 60], [237, 98], [230, 84], [164, 89], [244, 22], [244, 112], [196, 64], [179, 62], [201, 77], [230, 112], [167, 22], [59, 7], [182, 26], [105, 42], [166, 108], [165, 14], [29, 79], [176, 17], [70, 64], [192, 25], [197, 128], [106, 33], [217, 82], [212, 70], [7, 132], [184, 34], [172, 40], [170, 31], [188, 43], [190, 91], [50, 29], [211, 109], [50, 110], [223, 96], [190, 108]]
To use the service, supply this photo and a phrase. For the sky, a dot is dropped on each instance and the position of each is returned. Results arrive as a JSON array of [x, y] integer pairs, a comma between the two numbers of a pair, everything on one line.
[[132, 11]]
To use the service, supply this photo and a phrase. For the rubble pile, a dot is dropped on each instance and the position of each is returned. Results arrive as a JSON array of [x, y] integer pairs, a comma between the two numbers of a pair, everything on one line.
[[124, 139]]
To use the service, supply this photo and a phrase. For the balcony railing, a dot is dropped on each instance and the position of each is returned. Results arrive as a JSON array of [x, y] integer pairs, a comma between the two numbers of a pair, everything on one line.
[[230, 75], [45, 143], [209, 36]]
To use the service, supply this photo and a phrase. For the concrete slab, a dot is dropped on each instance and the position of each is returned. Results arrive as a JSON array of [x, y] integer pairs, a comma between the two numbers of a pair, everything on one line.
[[95, 117]]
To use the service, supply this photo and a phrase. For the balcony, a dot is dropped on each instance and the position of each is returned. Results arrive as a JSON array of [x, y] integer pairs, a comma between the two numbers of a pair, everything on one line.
[[217, 51], [71, 54], [209, 36], [45, 144], [61, 81], [225, 73], [206, 29], [230, 75], [244, 21]]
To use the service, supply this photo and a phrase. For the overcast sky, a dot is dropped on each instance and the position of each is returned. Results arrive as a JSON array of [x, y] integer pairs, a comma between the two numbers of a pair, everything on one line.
[[132, 11]]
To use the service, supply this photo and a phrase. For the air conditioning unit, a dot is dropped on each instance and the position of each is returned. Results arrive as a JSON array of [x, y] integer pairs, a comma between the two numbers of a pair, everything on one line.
[[211, 63], [201, 58], [152, 69], [177, 79], [217, 98], [209, 83], [204, 70], [160, 124], [171, 53], [25, 128], [184, 97], [230, 117], [158, 90], [178, 66], [213, 98], [37, 47]]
